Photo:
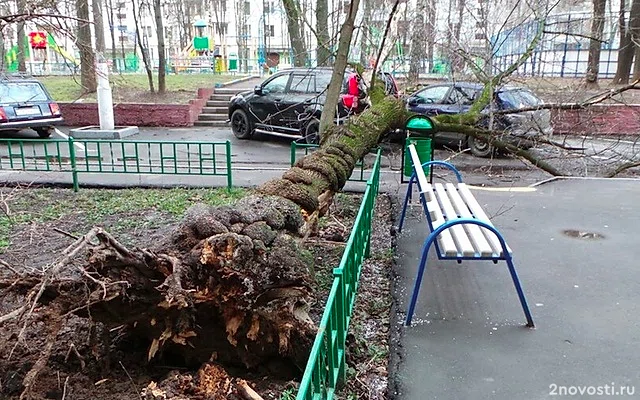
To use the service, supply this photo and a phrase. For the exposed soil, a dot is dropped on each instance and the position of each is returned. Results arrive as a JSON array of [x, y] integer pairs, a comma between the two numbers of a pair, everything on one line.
[[92, 362]]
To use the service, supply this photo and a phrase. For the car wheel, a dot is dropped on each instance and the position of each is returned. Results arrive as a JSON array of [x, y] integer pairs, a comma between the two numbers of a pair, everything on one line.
[[311, 132], [479, 147], [44, 132], [240, 125]]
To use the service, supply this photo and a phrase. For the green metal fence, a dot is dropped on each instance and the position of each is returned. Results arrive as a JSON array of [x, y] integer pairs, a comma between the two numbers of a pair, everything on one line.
[[358, 174], [326, 366], [117, 156]]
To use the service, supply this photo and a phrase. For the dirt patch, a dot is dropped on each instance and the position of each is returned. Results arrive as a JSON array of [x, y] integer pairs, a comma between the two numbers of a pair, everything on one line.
[[98, 362]]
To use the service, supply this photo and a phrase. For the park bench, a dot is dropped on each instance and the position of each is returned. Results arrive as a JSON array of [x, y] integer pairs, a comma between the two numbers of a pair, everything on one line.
[[459, 227]]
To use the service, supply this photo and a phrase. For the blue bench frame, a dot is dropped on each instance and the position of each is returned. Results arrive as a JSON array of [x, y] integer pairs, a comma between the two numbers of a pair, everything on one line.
[[431, 239]]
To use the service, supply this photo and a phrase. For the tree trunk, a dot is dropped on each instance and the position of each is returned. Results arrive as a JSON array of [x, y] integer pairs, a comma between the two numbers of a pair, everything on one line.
[[335, 85], [323, 53], [22, 39], [365, 38], [143, 50], [595, 43], [111, 19], [98, 25], [292, 9], [418, 40], [430, 31], [85, 47], [627, 49], [162, 60]]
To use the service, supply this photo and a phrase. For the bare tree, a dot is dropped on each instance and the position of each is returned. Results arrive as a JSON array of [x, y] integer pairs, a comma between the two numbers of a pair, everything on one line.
[[323, 53], [162, 60], [418, 40], [628, 45], [145, 52], [595, 43], [112, 33], [296, 34], [98, 25], [335, 85], [22, 39], [85, 47]]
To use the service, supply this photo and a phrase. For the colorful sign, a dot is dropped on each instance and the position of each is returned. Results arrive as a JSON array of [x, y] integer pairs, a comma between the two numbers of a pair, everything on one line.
[[38, 40]]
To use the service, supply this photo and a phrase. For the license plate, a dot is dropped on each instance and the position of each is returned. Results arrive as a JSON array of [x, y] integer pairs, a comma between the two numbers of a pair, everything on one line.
[[22, 111]]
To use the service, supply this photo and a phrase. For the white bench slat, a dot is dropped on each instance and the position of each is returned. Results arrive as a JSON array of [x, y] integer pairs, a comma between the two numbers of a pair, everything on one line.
[[475, 233], [445, 241], [417, 166], [459, 234], [479, 213]]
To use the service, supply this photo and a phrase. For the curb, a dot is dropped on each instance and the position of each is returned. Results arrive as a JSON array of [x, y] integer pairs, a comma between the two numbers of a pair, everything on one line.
[[233, 82]]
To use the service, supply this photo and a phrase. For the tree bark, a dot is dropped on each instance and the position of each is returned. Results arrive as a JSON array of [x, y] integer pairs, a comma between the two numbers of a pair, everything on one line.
[[296, 34], [418, 40], [627, 49], [22, 39], [335, 85], [162, 60], [323, 53], [85, 47], [111, 19], [143, 50], [98, 25], [595, 43]]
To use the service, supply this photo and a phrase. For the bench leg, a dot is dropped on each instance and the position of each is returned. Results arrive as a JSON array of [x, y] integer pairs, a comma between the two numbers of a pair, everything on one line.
[[407, 199], [416, 287], [516, 283]]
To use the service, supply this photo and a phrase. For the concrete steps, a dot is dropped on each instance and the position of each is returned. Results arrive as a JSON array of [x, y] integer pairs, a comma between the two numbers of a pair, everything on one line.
[[215, 112]]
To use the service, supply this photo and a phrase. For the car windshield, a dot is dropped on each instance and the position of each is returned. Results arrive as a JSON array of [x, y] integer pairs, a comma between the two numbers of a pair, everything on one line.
[[21, 92], [515, 99]]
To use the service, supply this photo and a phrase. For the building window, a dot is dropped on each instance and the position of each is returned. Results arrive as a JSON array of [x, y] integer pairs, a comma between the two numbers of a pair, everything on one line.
[[346, 5], [247, 8], [122, 28], [122, 4], [479, 36], [124, 39], [122, 16], [269, 30], [223, 5]]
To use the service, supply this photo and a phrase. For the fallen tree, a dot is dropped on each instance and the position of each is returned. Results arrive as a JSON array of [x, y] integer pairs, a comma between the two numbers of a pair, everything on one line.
[[231, 285]]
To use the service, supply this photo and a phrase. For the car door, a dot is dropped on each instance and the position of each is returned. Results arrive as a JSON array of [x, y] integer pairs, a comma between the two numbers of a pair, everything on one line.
[[300, 94], [265, 106]]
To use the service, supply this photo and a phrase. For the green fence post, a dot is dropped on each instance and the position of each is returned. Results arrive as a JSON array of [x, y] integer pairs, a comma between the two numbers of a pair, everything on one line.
[[294, 146], [229, 177], [72, 158]]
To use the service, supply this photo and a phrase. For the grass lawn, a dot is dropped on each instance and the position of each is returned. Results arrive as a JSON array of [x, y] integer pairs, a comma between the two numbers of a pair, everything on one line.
[[135, 87], [118, 210]]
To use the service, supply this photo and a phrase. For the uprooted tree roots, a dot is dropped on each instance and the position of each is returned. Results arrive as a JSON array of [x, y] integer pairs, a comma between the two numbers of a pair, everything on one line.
[[230, 286]]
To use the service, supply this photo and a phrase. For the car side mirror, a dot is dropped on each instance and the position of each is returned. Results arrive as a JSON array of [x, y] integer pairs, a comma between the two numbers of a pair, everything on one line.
[[413, 101], [258, 90]]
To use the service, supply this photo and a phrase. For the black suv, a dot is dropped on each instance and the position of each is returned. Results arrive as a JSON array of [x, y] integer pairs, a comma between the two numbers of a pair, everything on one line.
[[290, 102], [25, 103]]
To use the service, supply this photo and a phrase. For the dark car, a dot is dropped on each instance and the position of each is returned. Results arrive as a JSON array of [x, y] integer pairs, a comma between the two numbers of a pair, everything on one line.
[[25, 103], [290, 103], [454, 98]]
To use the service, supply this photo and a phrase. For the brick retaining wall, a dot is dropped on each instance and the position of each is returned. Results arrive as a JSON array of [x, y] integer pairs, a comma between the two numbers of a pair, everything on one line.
[[602, 119], [140, 114]]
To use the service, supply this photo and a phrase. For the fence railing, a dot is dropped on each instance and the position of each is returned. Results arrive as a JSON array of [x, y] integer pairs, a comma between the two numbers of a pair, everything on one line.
[[325, 369], [358, 174], [117, 157]]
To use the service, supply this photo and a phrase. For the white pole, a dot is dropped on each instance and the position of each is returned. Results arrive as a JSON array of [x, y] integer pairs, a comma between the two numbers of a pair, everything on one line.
[[105, 100]]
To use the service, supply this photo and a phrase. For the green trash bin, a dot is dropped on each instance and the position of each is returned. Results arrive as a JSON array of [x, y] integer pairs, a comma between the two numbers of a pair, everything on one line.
[[423, 148]]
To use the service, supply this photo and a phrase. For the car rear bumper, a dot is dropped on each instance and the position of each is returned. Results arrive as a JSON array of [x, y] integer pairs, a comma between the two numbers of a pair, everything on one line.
[[34, 123]]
